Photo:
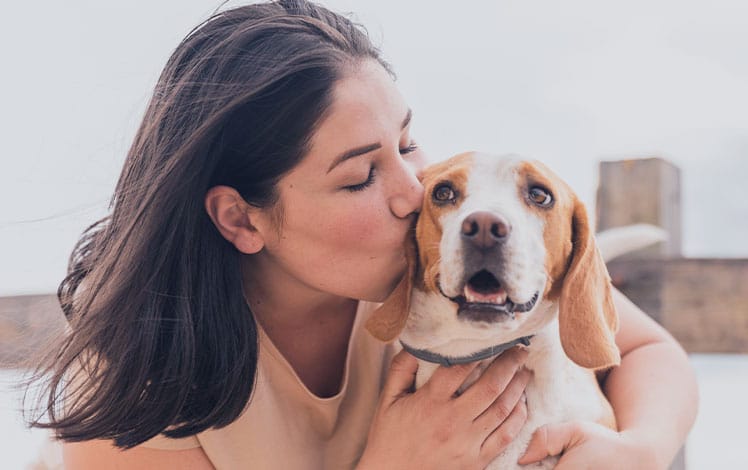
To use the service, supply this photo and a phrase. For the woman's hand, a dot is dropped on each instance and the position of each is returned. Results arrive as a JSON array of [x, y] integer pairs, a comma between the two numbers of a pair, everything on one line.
[[588, 445], [438, 429]]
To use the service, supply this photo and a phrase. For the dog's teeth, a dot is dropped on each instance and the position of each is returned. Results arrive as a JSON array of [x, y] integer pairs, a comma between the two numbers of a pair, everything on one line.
[[498, 298]]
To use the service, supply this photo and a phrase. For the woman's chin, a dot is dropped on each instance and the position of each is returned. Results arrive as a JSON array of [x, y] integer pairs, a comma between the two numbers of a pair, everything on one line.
[[384, 291]]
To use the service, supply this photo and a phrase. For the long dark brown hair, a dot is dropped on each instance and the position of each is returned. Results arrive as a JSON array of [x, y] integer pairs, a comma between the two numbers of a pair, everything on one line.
[[161, 339]]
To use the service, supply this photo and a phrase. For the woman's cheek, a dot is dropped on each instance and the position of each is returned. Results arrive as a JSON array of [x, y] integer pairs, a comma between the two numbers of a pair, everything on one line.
[[361, 225]]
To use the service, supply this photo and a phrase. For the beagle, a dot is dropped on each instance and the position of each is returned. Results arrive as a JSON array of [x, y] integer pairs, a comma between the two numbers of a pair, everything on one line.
[[503, 255]]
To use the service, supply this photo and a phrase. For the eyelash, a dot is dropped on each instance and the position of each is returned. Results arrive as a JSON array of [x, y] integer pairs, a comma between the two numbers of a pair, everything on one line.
[[412, 147], [360, 187]]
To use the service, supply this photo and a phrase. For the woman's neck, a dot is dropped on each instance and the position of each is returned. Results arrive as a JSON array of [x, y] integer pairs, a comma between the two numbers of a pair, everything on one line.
[[279, 301], [311, 329]]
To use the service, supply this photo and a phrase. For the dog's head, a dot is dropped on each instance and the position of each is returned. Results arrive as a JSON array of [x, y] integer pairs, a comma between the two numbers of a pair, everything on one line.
[[498, 244]]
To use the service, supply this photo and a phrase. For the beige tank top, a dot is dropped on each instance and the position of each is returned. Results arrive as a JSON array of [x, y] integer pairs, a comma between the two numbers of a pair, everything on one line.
[[286, 426]]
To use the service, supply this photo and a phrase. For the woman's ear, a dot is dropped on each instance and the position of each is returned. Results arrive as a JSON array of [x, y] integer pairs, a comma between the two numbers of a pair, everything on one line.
[[233, 217]]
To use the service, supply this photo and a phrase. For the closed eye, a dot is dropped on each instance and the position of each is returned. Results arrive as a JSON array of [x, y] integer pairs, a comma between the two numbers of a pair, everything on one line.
[[412, 147], [361, 186]]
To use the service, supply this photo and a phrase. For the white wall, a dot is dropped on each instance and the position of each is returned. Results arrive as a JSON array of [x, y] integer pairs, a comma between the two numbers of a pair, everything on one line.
[[567, 82]]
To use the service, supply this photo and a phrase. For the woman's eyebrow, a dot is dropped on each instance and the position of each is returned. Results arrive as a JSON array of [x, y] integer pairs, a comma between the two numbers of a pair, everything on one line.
[[406, 121], [353, 153], [366, 148]]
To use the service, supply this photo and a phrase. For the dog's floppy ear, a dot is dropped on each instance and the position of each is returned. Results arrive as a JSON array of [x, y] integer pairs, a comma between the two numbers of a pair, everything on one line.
[[587, 317], [387, 321]]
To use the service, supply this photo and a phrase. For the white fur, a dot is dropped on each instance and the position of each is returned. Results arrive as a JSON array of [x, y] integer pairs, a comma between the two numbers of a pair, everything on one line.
[[492, 187]]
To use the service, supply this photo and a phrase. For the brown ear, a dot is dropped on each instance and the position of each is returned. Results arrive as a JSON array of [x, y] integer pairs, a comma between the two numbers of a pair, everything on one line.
[[587, 317], [388, 320]]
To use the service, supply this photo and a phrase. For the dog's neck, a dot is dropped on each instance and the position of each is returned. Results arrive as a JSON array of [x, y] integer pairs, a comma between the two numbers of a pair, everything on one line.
[[448, 361], [546, 359]]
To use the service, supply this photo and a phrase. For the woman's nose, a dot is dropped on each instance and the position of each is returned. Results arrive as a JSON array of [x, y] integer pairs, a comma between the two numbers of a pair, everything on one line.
[[407, 191]]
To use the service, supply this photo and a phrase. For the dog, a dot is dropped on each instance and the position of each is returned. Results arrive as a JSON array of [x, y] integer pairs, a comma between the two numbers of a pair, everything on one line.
[[503, 255]]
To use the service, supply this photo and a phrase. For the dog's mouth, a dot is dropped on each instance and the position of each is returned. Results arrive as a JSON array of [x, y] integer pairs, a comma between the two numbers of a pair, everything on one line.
[[484, 298]]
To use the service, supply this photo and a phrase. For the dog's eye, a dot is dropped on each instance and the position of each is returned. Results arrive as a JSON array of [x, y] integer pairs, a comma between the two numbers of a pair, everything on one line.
[[540, 196], [443, 193]]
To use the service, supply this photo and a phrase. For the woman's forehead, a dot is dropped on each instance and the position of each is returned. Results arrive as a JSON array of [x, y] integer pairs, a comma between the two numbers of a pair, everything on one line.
[[366, 108]]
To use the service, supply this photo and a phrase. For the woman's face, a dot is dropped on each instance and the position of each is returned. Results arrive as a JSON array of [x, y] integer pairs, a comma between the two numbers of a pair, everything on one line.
[[348, 204]]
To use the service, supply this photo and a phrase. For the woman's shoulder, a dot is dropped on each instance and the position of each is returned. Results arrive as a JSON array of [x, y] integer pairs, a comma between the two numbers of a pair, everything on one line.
[[101, 454]]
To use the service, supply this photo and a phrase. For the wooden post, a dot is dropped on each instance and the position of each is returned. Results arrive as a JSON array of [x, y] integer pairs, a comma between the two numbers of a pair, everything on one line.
[[642, 191]]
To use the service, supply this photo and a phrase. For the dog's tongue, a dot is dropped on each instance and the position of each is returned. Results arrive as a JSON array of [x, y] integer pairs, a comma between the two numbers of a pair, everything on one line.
[[497, 297]]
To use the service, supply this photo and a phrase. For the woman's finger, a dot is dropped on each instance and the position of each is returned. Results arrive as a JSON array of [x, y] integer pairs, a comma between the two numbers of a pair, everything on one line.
[[551, 439], [445, 381], [497, 376], [400, 377], [505, 404], [503, 435]]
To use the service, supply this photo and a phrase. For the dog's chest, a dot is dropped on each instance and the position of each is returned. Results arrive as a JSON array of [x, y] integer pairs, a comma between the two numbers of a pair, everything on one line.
[[559, 391]]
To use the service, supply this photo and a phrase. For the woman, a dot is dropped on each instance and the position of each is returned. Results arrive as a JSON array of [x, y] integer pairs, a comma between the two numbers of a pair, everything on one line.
[[216, 313]]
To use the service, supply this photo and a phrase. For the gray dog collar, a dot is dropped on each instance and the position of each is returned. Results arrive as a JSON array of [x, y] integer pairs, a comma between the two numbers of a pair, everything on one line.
[[449, 361]]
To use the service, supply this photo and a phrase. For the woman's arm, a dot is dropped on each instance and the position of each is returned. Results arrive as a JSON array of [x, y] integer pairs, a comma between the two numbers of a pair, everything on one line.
[[654, 391], [102, 455], [654, 395]]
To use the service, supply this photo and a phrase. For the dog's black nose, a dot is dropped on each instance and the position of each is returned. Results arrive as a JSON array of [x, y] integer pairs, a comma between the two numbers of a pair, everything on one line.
[[485, 230]]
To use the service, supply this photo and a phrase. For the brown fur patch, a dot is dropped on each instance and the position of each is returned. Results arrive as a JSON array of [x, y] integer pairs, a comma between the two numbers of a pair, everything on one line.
[[577, 276], [387, 321], [587, 317], [557, 232], [455, 171]]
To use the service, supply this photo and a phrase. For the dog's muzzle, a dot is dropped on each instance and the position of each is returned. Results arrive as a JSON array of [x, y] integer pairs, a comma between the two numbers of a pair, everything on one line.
[[485, 299]]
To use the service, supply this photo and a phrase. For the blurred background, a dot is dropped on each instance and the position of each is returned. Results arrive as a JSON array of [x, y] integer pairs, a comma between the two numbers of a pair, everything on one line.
[[570, 83]]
